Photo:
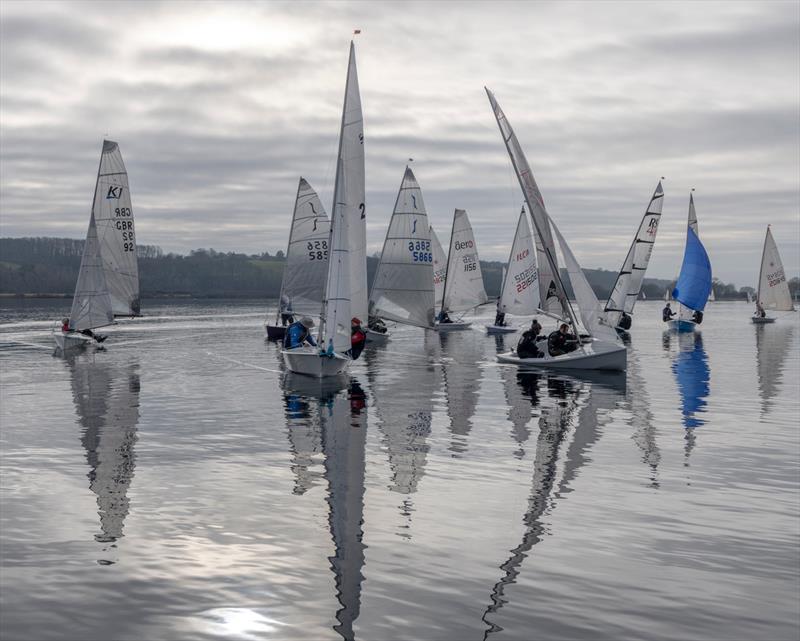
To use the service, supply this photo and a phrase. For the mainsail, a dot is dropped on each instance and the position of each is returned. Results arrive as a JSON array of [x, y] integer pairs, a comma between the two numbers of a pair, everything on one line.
[[520, 290], [773, 290], [307, 253], [114, 216], [402, 290], [463, 287], [91, 304], [694, 281], [439, 269], [629, 281]]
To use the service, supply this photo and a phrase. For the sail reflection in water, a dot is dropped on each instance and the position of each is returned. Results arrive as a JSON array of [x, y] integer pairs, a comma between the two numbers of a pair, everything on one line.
[[692, 375], [106, 399], [772, 345], [572, 411], [461, 354], [644, 435]]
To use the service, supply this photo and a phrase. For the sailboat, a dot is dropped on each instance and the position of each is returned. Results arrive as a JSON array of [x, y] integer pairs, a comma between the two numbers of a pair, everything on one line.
[[667, 296], [402, 290], [694, 282], [463, 284], [439, 270], [519, 293], [773, 290], [601, 348], [306, 266], [345, 289], [628, 285], [108, 280], [712, 298]]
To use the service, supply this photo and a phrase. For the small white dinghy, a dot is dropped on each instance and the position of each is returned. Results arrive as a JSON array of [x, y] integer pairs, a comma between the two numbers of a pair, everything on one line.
[[309, 362], [403, 288], [773, 290], [377, 338], [519, 291], [596, 354]]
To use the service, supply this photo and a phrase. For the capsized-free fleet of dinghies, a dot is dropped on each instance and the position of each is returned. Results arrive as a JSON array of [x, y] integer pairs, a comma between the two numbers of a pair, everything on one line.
[[306, 266], [601, 349], [519, 293], [345, 287], [108, 280], [773, 290], [628, 286], [402, 290], [463, 283], [694, 281]]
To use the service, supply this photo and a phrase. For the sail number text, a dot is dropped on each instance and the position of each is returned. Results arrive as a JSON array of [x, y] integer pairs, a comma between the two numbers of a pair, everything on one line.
[[420, 251], [126, 227], [317, 250]]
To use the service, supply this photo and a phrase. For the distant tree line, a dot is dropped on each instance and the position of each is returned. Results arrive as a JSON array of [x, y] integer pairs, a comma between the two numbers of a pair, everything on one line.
[[49, 266]]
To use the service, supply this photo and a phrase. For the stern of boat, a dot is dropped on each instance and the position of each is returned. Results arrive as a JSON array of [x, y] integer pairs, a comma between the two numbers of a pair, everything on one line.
[[308, 362]]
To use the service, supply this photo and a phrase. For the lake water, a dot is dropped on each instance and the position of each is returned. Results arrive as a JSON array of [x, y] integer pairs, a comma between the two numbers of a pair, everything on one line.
[[178, 485]]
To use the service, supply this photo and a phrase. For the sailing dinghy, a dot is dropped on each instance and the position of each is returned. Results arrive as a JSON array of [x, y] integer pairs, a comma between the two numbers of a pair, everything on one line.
[[694, 282], [601, 348], [306, 266], [108, 280], [519, 292], [773, 290], [402, 290], [463, 283], [628, 286], [344, 289]]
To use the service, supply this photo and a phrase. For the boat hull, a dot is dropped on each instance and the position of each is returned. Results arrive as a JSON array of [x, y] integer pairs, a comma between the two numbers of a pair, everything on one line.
[[71, 341], [597, 355], [682, 325], [275, 332], [308, 362], [451, 327], [377, 338], [495, 329], [762, 321]]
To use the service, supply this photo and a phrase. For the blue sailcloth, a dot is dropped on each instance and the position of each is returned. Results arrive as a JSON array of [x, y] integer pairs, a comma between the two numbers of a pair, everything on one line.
[[694, 282]]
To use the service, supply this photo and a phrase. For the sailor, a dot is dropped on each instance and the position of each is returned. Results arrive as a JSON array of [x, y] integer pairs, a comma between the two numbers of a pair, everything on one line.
[[760, 310], [298, 333], [287, 317], [444, 317], [624, 321], [527, 348], [376, 325], [667, 313], [357, 339], [561, 341], [500, 317], [65, 325], [697, 317]]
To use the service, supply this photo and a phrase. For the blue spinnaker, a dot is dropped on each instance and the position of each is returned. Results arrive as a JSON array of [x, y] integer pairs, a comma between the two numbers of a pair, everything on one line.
[[694, 282]]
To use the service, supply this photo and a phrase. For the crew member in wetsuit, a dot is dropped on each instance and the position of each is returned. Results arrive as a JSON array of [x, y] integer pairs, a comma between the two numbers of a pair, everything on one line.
[[527, 348], [697, 317], [500, 317], [667, 313], [624, 321], [561, 341], [444, 317], [357, 339]]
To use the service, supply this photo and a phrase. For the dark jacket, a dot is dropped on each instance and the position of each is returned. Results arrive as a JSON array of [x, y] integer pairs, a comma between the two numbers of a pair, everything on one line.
[[296, 335], [527, 348], [558, 343]]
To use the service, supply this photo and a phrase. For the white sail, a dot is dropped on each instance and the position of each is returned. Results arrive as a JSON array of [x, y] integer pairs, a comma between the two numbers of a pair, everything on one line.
[[773, 290], [402, 290], [749, 297], [667, 296], [463, 288], [520, 290], [628, 285], [115, 231], [351, 193], [307, 253], [693, 215], [91, 304], [439, 269], [550, 284], [711, 296], [335, 328]]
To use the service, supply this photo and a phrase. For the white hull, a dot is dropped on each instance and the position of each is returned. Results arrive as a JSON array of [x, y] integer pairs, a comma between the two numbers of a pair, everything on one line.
[[599, 355], [758, 320], [376, 338], [71, 341], [682, 325], [307, 361], [494, 329], [450, 327]]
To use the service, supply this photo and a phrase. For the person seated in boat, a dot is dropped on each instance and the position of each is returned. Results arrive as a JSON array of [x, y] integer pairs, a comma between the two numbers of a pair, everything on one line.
[[526, 347], [561, 341], [625, 321], [444, 317], [358, 339], [697, 317], [500, 316], [65, 325], [760, 310], [667, 313], [287, 316], [299, 333], [376, 324]]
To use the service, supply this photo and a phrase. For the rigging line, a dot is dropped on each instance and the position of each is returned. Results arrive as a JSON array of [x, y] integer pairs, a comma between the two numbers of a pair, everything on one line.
[[36, 345], [167, 338], [233, 360]]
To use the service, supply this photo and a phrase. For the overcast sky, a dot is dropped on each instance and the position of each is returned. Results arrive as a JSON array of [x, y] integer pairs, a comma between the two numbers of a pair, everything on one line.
[[219, 108]]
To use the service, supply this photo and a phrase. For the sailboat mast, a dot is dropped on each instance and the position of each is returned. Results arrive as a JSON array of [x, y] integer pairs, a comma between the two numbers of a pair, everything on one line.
[[449, 253]]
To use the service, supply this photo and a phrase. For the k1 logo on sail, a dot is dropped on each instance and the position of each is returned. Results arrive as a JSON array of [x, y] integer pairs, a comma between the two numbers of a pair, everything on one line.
[[114, 192]]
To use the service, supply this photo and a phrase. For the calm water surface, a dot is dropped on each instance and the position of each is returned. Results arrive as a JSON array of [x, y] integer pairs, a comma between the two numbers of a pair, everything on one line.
[[179, 484]]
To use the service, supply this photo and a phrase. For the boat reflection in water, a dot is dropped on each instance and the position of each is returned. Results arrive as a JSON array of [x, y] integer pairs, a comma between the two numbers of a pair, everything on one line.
[[644, 434], [106, 397], [692, 375], [331, 420], [772, 344], [572, 413], [461, 354]]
